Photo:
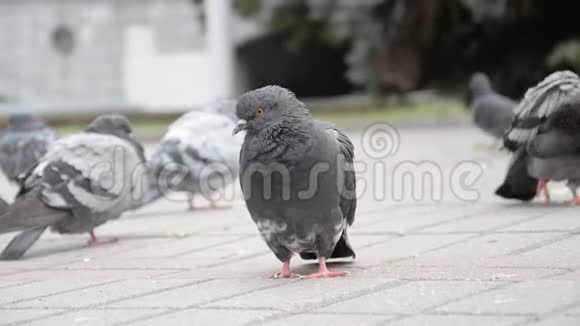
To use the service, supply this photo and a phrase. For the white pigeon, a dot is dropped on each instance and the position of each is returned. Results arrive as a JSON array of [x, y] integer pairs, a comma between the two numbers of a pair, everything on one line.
[[197, 155]]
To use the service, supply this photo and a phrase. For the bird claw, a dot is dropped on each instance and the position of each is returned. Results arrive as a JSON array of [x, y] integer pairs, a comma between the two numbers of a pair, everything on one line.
[[279, 275], [218, 205], [326, 274], [101, 242], [575, 202]]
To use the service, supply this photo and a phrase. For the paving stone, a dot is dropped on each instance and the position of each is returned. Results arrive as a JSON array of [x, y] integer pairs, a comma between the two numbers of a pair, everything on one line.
[[558, 321], [520, 298], [431, 320], [96, 317], [562, 219], [102, 294], [410, 298], [563, 252], [574, 311], [14, 316], [198, 293], [306, 293], [403, 247], [569, 276], [492, 245], [97, 275], [32, 290], [487, 221], [328, 320], [210, 265], [435, 268], [404, 222], [178, 247], [207, 317]]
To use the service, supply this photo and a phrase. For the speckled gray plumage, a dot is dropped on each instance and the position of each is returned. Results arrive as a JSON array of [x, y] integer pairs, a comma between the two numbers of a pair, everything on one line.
[[83, 181], [198, 154], [553, 152], [22, 144], [286, 145], [491, 112], [538, 104]]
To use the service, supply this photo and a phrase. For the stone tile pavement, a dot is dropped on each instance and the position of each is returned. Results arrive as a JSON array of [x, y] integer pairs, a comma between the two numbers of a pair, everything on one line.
[[439, 250]]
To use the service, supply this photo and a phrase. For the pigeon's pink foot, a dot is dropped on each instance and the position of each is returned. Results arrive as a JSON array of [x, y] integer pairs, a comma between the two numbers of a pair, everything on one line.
[[323, 272], [543, 188], [218, 205], [285, 273], [575, 201], [94, 241]]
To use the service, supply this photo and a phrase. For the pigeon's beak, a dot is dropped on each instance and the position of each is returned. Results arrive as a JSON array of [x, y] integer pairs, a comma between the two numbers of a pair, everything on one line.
[[241, 125]]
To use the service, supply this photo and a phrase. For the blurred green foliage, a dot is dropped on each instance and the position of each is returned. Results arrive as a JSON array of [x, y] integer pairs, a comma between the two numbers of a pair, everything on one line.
[[412, 42]]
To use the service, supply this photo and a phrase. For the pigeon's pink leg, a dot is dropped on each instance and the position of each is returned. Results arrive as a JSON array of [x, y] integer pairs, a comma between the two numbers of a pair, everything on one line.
[[94, 241], [214, 204], [575, 198], [285, 273], [323, 272], [543, 188], [191, 206]]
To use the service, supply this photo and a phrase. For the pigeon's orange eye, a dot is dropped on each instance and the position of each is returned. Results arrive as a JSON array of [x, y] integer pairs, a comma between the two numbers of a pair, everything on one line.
[[259, 111]]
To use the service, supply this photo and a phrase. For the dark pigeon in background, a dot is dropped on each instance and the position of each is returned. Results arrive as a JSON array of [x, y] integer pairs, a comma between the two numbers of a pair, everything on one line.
[[22, 144], [310, 203], [545, 139], [83, 181], [197, 155], [493, 113]]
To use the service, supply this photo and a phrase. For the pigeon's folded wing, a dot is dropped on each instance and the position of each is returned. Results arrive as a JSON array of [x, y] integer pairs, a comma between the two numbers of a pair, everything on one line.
[[205, 138], [88, 172], [348, 198], [538, 104], [553, 144]]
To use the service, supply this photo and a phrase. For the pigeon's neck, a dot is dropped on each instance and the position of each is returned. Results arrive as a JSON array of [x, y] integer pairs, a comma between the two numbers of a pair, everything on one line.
[[482, 90], [283, 142]]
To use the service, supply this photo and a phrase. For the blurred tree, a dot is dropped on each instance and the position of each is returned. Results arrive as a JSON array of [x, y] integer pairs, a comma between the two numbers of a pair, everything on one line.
[[400, 45]]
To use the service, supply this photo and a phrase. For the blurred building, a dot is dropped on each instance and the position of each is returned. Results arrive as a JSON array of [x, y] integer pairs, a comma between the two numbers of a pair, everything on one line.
[[145, 53]]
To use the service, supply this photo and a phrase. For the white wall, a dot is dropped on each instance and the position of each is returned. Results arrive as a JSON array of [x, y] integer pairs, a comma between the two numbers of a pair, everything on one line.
[[168, 82]]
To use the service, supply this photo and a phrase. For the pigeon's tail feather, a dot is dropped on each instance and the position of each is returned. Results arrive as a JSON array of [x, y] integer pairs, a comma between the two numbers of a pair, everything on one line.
[[3, 206], [343, 249], [21, 243], [29, 212], [518, 183]]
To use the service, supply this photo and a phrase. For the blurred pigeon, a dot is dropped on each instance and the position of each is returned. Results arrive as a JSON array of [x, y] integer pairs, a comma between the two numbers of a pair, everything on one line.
[[23, 143], [492, 112], [545, 137], [289, 168], [82, 182], [197, 155]]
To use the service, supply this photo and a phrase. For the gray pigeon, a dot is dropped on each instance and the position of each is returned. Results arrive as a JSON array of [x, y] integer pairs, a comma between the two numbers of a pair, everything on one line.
[[545, 137], [23, 143], [197, 155], [493, 113], [83, 181], [297, 178]]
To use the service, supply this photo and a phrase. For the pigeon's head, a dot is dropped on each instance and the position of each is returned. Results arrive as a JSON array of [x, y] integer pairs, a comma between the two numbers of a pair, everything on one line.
[[479, 84], [25, 122], [269, 107], [113, 124], [225, 107]]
